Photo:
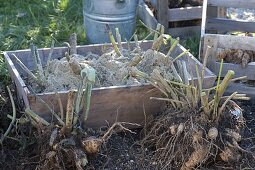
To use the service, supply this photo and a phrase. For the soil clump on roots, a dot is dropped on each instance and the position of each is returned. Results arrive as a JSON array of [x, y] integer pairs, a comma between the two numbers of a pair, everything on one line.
[[187, 140]]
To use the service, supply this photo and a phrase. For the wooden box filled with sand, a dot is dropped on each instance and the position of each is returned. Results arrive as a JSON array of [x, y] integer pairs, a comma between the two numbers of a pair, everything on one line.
[[119, 93]]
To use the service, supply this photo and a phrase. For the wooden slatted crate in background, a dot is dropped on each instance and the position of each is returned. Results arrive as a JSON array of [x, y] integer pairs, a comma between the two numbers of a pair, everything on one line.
[[216, 32], [167, 15]]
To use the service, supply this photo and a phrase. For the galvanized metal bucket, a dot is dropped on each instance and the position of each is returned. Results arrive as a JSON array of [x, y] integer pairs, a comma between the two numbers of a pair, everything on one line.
[[100, 16]]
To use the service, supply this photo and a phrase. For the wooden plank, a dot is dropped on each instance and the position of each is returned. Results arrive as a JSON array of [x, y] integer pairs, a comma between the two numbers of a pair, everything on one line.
[[184, 14], [233, 3], [163, 12], [248, 71], [184, 31], [123, 103], [146, 15], [22, 90], [222, 24], [233, 42], [241, 89]]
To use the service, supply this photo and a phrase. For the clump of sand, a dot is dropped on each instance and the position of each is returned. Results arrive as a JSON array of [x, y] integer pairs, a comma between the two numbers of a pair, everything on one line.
[[111, 70]]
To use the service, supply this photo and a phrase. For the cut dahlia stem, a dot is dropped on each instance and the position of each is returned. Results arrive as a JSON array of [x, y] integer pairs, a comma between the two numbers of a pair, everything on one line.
[[116, 49], [49, 59], [13, 117], [73, 44], [24, 68], [157, 43], [173, 46], [157, 30], [36, 117], [118, 37], [41, 76], [69, 110], [60, 106]]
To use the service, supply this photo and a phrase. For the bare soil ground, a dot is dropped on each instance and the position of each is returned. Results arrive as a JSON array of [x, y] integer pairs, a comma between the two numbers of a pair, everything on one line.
[[121, 151]]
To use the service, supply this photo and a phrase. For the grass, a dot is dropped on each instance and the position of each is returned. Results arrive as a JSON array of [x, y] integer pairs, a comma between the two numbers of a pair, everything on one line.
[[192, 43], [25, 21]]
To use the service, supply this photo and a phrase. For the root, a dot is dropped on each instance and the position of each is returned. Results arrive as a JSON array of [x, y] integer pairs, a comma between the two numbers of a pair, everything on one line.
[[188, 140], [13, 117], [196, 158]]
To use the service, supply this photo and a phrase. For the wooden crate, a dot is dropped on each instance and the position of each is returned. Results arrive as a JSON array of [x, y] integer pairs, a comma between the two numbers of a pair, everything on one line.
[[214, 18], [108, 104], [165, 15], [212, 34]]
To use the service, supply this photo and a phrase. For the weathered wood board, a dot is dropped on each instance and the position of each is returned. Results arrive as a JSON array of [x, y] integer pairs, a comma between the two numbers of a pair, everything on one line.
[[249, 4], [108, 104], [212, 23], [185, 13], [242, 89], [166, 15]]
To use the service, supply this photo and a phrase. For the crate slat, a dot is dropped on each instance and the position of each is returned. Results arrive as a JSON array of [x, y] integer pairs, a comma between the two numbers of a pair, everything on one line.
[[147, 16], [248, 71], [184, 14], [242, 89], [163, 12], [233, 3], [223, 24], [184, 31], [230, 41]]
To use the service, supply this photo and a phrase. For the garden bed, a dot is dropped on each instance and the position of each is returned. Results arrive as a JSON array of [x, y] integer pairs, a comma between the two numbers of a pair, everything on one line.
[[198, 127]]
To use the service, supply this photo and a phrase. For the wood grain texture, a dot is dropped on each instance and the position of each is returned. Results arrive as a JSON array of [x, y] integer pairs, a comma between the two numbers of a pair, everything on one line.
[[241, 89], [184, 31], [184, 14], [163, 12], [248, 71], [146, 15], [123, 103], [233, 3], [222, 24], [22, 90], [232, 42]]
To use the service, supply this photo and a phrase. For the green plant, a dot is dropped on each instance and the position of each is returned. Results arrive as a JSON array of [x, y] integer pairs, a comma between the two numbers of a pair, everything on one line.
[[192, 43], [4, 76], [26, 21]]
